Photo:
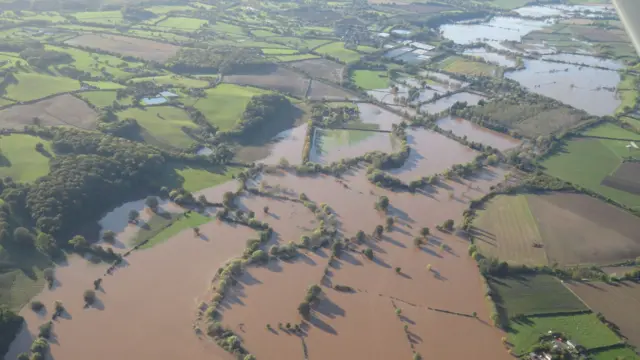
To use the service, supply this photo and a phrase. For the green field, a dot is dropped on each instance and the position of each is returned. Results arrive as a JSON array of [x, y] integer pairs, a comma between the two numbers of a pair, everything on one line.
[[195, 179], [367, 49], [541, 294], [226, 28], [94, 63], [271, 51], [338, 51], [508, 4], [105, 85], [4, 102], [635, 123], [102, 99], [162, 125], [225, 103], [33, 86], [101, 17], [583, 329], [182, 23], [622, 353], [184, 222], [587, 162], [19, 283], [288, 58], [370, 79], [329, 138], [459, 65], [164, 9], [175, 80], [20, 160]]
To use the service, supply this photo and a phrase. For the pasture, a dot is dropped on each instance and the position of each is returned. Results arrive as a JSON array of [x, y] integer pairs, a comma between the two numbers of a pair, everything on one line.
[[534, 295], [184, 222], [194, 178], [140, 48], [20, 160], [272, 77], [225, 104], [182, 23], [24, 279], [338, 51], [295, 57], [616, 302], [321, 68], [95, 63], [59, 110], [101, 17], [102, 99], [32, 86], [584, 329], [370, 79], [459, 65], [174, 80], [162, 125], [507, 229]]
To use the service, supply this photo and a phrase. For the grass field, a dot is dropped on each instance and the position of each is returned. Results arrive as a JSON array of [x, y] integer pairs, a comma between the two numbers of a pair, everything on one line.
[[226, 28], [33, 86], [587, 162], [4, 102], [162, 124], [628, 93], [272, 51], [459, 65], [94, 63], [103, 98], [185, 222], [105, 85], [584, 329], [18, 284], [506, 229], [295, 57], [369, 79], [164, 9], [225, 103], [175, 80], [20, 160], [182, 23], [338, 51], [622, 353], [195, 179], [541, 294], [367, 49], [101, 17]]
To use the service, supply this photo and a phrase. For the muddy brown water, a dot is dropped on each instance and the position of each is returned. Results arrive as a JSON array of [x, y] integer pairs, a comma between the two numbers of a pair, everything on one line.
[[477, 133]]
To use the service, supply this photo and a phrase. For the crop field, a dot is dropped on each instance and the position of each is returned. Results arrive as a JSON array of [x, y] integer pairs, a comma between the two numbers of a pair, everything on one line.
[[225, 104], [174, 80], [144, 49], [20, 160], [508, 230], [589, 162], [616, 302], [321, 68], [162, 124], [32, 86], [584, 329], [272, 77], [320, 90], [59, 110], [456, 64], [337, 50], [569, 229], [182, 23], [370, 80], [533, 295]]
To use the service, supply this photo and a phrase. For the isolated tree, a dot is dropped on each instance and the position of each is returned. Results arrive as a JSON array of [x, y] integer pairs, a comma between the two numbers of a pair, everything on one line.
[[203, 200], [398, 311], [360, 236], [265, 209], [417, 241], [448, 225], [424, 232], [89, 297], [134, 215], [382, 203], [368, 253], [152, 203], [398, 270], [417, 356], [305, 310], [196, 231], [378, 231], [109, 236], [389, 223]]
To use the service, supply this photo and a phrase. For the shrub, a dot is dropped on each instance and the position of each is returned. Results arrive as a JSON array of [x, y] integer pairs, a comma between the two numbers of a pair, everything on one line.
[[424, 232], [448, 225], [23, 356], [389, 223], [398, 270], [360, 236], [398, 311], [37, 305], [304, 309], [417, 241], [134, 215], [259, 256], [39, 346], [89, 297], [58, 307], [109, 236], [45, 330], [343, 288], [368, 253]]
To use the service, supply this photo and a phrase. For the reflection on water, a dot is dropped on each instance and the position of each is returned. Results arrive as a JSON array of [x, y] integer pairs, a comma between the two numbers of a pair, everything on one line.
[[586, 88], [334, 145], [477, 133], [287, 144], [372, 114]]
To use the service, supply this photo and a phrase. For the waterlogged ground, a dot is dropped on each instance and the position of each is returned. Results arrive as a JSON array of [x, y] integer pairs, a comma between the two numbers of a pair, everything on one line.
[[498, 29], [491, 57], [586, 88], [445, 103], [334, 145], [474, 132]]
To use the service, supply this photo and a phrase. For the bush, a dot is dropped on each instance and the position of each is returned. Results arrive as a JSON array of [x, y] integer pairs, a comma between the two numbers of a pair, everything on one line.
[[259, 256], [37, 305], [45, 330], [58, 307], [109, 236], [368, 253], [304, 309], [89, 297], [39, 346]]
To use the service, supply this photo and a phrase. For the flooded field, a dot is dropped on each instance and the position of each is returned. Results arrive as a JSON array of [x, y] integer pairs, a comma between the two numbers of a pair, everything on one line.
[[491, 57], [448, 83], [431, 153], [334, 145], [585, 60], [477, 133], [566, 11], [287, 144], [586, 88], [498, 29], [446, 102], [372, 114]]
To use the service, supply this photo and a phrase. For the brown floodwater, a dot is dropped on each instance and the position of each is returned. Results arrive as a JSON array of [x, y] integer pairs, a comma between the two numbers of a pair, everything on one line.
[[477, 133], [431, 153], [331, 145]]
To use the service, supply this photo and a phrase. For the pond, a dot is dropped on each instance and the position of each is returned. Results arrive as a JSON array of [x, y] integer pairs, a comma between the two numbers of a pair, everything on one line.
[[586, 88], [500, 28], [446, 102], [331, 145], [477, 133], [491, 57]]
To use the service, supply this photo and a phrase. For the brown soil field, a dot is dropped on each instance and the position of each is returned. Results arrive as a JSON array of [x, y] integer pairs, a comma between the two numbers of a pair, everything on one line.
[[320, 91], [548, 122], [140, 48], [272, 77], [579, 229], [625, 178], [431, 153], [619, 303], [321, 68], [59, 110]]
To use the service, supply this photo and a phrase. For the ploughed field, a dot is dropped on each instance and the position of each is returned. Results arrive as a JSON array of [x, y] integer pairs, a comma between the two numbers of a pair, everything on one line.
[[145, 49]]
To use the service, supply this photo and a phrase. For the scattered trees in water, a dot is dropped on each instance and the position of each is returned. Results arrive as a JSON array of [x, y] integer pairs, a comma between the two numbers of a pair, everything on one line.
[[360, 236], [382, 204], [417, 241], [343, 288], [152, 203], [109, 236], [44, 331], [389, 223], [49, 277], [368, 252], [424, 232], [37, 306], [89, 297], [377, 232], [305, 306]]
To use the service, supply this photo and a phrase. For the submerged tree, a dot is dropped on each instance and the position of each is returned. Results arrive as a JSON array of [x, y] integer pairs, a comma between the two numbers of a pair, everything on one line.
[[360, 236], [134, 215], [424, 232], [378, 231], [152, 202], [368, 253], [389, 223]]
